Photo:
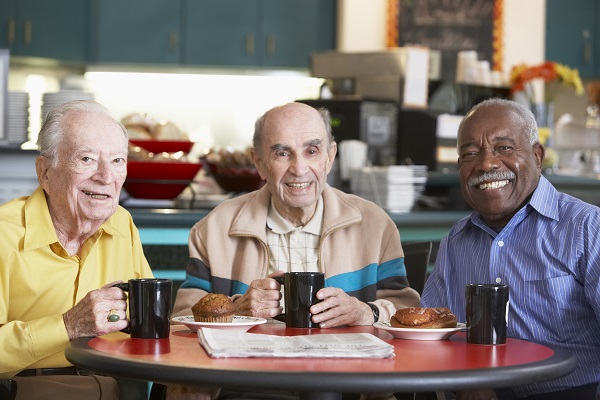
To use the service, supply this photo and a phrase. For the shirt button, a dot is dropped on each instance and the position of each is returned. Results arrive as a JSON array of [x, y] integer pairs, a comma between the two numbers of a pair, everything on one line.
[[500, 243], [498, 280]]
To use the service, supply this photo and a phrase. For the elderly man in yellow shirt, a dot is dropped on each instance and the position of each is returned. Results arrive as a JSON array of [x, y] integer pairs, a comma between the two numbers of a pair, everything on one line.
[[61, 249]]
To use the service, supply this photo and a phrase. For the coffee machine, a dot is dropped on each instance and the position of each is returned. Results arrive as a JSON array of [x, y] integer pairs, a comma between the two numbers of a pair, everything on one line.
[[371, 121]]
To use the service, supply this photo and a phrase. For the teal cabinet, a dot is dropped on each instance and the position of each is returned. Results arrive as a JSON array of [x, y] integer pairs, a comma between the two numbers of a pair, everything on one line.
[[572, 35], [257, 33], [136, 31], [220, 32], [54, 29], [292, 30]]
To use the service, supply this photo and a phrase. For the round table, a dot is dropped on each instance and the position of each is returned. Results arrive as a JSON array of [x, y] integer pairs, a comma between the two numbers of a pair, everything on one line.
[[418, 366]]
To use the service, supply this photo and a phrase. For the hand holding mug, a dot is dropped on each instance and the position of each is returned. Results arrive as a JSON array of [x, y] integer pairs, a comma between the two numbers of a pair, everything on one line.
[[89, 317], [338, 308], [261, 300]]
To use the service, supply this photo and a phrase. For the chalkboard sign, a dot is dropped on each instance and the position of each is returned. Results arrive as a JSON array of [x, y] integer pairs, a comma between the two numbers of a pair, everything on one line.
[[449, 26]]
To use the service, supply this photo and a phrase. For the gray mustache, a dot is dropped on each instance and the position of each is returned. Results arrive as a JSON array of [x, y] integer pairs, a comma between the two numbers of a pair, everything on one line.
[[491, 176]]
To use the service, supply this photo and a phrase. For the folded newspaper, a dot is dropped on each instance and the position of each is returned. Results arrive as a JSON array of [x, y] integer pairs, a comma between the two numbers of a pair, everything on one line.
[[220, 343]]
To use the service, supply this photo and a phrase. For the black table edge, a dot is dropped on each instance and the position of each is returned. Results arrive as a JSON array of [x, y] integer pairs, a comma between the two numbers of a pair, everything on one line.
[[559, 364]]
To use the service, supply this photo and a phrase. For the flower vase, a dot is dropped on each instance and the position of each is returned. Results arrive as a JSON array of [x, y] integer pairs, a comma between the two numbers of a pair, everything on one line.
[[544, 116]]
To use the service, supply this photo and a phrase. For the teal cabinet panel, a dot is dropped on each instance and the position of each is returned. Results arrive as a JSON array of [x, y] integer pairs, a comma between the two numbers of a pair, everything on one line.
[[257, 33], [220, 32], [8, 24], [136, 31], [55, 29], [292, 30], [572, 29]]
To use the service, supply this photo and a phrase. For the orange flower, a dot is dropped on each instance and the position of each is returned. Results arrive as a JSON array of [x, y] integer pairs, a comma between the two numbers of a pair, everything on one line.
[[551, 73]]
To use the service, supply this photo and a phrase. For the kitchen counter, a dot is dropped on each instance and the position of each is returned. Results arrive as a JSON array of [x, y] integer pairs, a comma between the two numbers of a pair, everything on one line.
[[171, 226], [164, 234]]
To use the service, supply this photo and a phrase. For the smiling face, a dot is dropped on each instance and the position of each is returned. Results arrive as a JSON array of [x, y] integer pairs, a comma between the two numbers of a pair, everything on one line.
[[499, 167], [84, 185], [294, 158]]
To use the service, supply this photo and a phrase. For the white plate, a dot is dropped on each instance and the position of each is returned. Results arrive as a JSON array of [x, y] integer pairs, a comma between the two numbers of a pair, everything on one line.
[[420, 334], [239, 323]]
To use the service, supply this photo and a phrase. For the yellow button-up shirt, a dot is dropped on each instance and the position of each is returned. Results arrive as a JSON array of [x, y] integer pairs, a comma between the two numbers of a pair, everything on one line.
[[39, 281]]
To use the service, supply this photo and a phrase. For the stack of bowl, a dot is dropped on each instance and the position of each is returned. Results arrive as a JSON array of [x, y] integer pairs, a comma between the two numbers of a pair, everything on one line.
[[163, 173], [234, 178]]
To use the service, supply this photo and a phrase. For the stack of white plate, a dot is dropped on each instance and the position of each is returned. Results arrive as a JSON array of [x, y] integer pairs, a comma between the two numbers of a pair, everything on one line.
[[53, 99], [395, 188], [17, 119]]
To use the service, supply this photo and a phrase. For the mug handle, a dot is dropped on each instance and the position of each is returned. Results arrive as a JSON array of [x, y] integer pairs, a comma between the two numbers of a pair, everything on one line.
[[124, 287], [279, 279], [280, 317]]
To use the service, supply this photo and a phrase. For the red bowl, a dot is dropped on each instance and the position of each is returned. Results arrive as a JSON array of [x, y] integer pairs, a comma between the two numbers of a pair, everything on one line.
[[159, 146], [159, 179], [239, 183], [237, 178]]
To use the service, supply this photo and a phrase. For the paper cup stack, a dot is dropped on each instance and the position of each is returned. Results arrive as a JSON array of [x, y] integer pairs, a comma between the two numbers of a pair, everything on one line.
[[353, 155]]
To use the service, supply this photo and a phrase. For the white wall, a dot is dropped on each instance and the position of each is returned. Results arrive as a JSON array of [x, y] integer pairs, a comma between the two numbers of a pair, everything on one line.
[[524, 32], [361, 25]]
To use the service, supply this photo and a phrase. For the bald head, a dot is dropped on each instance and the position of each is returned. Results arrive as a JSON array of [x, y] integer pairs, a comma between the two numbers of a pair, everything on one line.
[[297, 113]]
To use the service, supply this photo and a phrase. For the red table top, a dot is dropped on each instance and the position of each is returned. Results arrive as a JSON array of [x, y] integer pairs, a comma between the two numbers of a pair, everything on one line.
[[183, 349], [437, 365]]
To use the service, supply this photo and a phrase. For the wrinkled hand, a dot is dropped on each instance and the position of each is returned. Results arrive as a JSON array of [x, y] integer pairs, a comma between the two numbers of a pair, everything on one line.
[[338, 308], [476, 394], [89, 317], [261, 299]]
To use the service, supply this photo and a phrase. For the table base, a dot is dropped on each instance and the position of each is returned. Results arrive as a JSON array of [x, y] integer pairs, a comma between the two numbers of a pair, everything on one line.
[[320, 396]]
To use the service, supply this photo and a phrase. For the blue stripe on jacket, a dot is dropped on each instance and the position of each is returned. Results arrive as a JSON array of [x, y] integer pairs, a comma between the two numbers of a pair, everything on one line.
[[361, 283]]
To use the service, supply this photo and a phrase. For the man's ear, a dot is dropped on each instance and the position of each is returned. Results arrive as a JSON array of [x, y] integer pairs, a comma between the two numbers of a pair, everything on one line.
[[331, 156], [539, 152], [257, 163], [41, 169]]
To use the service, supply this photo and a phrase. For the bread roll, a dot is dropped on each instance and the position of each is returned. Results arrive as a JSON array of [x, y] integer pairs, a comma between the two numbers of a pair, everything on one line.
[[423, 318]]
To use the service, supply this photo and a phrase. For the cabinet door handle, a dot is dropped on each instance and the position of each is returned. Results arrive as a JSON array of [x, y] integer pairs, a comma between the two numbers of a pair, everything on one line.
[[11, 31], [271, 45], [172, 41], [587, 46], [27, 33], [249, 44]]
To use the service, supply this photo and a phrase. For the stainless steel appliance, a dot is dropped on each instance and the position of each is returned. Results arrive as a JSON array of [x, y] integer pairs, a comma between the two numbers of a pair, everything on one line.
[[371, 121], [368, 74]]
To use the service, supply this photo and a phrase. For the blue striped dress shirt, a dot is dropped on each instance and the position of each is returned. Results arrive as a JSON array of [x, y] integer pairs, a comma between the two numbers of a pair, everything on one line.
[[549, 256]]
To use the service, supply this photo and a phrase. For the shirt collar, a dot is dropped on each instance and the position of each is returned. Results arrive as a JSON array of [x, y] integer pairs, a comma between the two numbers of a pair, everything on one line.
[[281, 226], [545, 199], [39, 229]]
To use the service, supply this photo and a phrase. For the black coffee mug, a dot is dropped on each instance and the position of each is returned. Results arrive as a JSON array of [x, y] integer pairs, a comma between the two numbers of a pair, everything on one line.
[[487, 311], [300, 293], [149, 307]]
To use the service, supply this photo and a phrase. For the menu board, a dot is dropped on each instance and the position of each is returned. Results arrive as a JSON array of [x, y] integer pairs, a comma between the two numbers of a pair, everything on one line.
[[449, 27]]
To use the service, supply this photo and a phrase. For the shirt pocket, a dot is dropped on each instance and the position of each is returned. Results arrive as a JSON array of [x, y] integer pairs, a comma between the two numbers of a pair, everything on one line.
[[554, 307]]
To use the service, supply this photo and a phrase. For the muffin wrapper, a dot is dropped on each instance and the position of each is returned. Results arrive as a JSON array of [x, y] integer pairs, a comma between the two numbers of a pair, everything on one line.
[[213, 318]]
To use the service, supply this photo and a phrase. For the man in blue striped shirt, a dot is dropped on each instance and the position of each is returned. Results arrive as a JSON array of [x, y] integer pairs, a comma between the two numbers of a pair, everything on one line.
[[543, 244]]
